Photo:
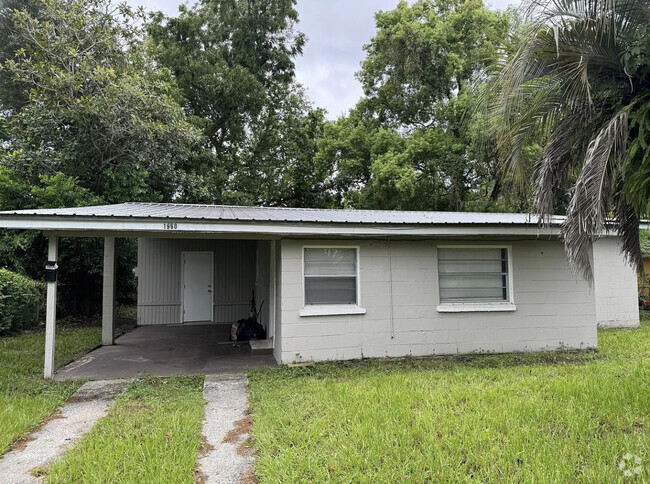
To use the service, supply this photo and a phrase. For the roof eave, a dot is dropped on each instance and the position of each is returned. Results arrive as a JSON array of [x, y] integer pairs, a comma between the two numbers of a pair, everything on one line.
[[161, 226]]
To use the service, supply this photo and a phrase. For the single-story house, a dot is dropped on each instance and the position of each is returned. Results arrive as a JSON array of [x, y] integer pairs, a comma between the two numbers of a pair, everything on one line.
[[347, 284]]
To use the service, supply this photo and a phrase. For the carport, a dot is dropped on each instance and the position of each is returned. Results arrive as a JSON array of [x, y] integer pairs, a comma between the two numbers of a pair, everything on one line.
[[170, 348], [165, 351]]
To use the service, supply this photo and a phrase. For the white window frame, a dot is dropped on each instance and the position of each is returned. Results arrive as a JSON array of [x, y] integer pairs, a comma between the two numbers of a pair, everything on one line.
[[330, 309], [464, 307]]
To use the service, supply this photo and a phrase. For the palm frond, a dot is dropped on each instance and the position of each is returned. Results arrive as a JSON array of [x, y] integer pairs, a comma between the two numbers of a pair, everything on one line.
[[589, 207], [628, 232], [552, 168], [566, 81]]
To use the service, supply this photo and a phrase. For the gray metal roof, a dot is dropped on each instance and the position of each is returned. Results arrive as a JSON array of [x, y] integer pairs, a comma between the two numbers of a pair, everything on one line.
[[224, 213]]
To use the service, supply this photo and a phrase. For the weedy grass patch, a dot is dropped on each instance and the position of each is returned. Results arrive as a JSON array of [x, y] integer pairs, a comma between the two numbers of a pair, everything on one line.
[[26, 399], [151, 434], [544, 417]]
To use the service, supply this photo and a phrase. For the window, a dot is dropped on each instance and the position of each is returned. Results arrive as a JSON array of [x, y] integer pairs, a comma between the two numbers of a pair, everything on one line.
[[474, 275], [330, 276]]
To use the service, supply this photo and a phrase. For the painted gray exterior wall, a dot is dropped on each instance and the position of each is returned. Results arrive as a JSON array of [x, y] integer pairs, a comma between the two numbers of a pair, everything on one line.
[[159, 278], [555, 309], [615, 286]]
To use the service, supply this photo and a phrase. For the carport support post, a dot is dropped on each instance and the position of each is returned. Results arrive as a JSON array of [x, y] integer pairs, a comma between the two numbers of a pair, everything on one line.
[[108, 294], [50, 315]]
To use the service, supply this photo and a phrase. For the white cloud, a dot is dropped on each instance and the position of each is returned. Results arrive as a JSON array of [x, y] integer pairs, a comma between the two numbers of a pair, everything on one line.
[[337, 31]]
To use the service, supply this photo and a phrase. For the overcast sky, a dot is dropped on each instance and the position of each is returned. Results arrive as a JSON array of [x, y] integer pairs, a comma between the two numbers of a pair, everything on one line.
[[337, 31]]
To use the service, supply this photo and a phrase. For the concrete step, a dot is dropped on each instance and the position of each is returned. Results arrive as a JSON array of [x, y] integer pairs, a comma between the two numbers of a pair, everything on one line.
[[261, 346]]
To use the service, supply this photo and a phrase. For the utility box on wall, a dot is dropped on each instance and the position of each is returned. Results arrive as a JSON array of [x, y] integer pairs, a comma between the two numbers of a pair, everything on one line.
[[51, 270]]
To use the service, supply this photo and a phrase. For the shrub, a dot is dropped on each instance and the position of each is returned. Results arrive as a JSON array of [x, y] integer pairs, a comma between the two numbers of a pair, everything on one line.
[[21, 300]]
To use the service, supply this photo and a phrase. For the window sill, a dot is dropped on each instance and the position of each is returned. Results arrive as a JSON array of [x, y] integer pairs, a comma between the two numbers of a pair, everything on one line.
[[476, 308], [333, 310]]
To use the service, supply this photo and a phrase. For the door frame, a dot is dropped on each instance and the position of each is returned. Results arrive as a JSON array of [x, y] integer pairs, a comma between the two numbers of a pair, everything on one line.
[[273, 262], [211, 253]]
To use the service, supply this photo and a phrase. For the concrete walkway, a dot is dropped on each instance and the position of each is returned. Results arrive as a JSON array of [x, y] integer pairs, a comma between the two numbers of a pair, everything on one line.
[[165, 351], [226, 428], [78, 415]]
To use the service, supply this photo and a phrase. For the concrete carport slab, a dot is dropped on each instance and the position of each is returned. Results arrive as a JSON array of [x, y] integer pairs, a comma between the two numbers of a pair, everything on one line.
[[165, 351]]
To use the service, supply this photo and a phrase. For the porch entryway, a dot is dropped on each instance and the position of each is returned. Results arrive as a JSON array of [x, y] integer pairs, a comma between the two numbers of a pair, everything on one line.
[[167, 350]]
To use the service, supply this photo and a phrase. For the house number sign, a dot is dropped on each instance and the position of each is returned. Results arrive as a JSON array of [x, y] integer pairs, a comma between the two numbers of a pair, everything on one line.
[[170, 226]]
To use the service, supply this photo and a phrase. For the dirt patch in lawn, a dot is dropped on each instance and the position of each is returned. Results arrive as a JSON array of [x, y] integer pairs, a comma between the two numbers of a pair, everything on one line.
[[242, 428], [205, 448], [21, 443], [200, 477], [249, 477]]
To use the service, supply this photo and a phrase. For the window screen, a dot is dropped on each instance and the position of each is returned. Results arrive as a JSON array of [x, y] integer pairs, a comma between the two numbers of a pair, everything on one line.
[[476, 274], [330, 276]]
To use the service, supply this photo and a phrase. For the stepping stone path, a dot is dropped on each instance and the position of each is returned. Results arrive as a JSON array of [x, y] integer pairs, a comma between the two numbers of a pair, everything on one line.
[[226, 427], [77, 417]]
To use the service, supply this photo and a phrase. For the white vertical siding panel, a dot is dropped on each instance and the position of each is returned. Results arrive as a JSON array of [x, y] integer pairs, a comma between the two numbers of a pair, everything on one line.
[[140, 309], [263, 282], [234, 279], [158, 284], [160, 278]]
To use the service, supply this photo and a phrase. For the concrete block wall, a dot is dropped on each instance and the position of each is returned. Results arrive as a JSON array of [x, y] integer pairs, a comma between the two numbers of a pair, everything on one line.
[[615, 286], [555, 309]]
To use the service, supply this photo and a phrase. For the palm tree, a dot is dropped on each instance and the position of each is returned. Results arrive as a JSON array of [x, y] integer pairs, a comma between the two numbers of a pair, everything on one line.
[[579, 79]]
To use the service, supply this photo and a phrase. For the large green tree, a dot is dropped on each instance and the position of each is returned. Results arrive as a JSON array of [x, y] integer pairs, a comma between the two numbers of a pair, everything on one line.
[[278, 166], [12, 94], [579, 80], [100, 123], [98, 108], [233, 61], [409, 143]]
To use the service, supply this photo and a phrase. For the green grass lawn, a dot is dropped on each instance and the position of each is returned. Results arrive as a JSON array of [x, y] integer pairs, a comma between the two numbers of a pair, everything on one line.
[[562, 417], [25, 398], [152, 434], [553, 417]]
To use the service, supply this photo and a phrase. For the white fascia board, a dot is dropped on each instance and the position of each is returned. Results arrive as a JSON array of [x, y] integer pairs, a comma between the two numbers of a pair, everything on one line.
[[184, 226]]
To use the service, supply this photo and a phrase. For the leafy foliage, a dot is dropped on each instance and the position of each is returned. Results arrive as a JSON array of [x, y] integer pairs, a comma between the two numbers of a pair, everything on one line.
[[98, 108], [100, 124], [409, 144], [426, 53], [578, 79], [234, 64], [644, 237], [20, 301], [12, 94], [227, 57]]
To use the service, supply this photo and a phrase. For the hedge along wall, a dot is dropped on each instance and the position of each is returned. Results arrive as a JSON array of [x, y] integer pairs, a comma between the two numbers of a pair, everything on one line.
[[21, 301]]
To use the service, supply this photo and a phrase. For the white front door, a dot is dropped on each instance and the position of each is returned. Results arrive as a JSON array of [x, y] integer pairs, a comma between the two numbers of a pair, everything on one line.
[[197, 286]]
